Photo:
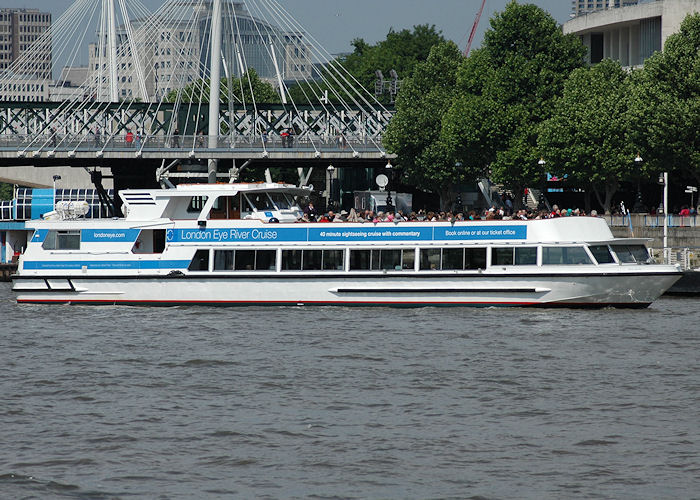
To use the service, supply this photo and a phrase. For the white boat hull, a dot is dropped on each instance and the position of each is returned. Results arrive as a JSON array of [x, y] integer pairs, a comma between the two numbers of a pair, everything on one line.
[[633, 289]]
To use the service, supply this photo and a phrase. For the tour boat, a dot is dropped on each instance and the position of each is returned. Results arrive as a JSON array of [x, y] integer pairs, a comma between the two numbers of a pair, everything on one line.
[[242, 244]]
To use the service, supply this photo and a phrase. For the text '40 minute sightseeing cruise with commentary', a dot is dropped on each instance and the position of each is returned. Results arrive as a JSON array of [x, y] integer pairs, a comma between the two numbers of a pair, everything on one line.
[[241, 244]]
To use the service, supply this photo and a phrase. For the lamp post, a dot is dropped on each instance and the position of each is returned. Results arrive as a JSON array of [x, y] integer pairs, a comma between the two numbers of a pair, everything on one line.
[[329, 184], [55, 178], [663, 180], [389, 201], [638, 205], [541, 205], [691, 190]]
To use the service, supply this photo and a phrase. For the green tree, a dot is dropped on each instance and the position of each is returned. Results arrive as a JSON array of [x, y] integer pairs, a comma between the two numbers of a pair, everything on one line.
[[587, 136], [400, 51], [6, 191], [415, 132], [665, 107], [506, 89], [248, 88]]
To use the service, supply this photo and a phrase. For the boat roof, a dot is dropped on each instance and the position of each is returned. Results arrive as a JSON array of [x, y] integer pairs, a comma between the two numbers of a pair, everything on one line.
[[235, 187]]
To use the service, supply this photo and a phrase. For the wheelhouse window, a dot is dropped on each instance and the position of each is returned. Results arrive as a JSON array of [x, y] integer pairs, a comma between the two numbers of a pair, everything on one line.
[[629, 254], [196, 204], [259, 201], [226, 207], [601, 253], [62, 240], [281, 200], [389, 259], [452, 259], [565, 256], [313, 260]]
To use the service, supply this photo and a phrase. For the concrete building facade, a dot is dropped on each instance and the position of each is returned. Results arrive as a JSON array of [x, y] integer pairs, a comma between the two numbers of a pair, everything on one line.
[[19, 29], [627, 31]]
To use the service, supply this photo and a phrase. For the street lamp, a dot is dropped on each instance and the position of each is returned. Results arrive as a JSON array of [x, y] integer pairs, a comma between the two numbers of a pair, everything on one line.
[[329, 185], [55, 178], [691, 190], [663, 180], [541, 205], [638, 204], [389, 201]]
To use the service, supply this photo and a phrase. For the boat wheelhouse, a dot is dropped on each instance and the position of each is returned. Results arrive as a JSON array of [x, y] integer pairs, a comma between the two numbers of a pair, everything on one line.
[[241, 244]]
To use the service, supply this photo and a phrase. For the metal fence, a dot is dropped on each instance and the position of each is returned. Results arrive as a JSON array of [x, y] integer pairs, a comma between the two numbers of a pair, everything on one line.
[[636, 220], [686, 258]]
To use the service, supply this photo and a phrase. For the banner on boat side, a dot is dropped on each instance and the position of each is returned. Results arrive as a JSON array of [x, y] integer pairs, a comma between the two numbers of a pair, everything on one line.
[[109, 235], [95, 235], [329, 233]]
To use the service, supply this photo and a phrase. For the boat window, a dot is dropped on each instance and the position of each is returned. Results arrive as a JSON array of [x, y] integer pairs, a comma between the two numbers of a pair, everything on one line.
[[223, 260], [291, 260], [430, 259], [474, 258], [225, 207], [253, 260], [632, 253], [525, 256], [280, 200], [602, 254], [196, 204], [388, 259], [408, 262], [333, 260], [62, 240], [259, 201], [265, 260], [311, 260], [502, 256], [360, 260], [564, 256], [200, 261], [453, 259]]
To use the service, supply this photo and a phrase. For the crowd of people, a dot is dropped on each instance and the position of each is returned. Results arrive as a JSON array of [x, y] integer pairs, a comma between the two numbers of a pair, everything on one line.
[[493, 213]]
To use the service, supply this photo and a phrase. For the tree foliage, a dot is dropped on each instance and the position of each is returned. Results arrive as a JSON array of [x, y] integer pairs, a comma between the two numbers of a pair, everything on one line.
[[587, 137], [665, 104], [400, 51], [6, 191], [506, 89], [247, 89], [415, 132]]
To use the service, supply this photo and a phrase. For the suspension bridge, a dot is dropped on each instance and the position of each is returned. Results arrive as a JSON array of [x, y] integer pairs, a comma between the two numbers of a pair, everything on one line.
[[175, 87]]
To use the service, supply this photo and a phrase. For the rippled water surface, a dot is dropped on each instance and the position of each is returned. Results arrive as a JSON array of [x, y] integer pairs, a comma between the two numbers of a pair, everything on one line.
[[118, 402]]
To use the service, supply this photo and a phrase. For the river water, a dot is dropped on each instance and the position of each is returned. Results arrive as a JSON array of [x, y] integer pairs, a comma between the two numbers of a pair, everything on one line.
[[196, 402]]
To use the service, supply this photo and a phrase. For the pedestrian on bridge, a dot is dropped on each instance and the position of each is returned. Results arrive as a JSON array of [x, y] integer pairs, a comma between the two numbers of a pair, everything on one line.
[[98, 136], [176, 138], [129, 138]]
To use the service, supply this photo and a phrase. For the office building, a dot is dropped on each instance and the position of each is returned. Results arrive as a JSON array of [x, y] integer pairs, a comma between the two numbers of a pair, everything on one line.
[[625, 30]]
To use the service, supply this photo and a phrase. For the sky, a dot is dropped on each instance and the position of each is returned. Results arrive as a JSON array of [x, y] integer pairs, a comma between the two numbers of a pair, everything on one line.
[[335, 23]]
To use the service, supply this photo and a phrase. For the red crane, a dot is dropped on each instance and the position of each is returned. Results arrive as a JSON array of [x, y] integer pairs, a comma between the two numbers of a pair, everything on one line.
[[476, 24]]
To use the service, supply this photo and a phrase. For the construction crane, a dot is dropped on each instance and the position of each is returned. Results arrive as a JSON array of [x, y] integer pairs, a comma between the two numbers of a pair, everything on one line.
[[473, 32]]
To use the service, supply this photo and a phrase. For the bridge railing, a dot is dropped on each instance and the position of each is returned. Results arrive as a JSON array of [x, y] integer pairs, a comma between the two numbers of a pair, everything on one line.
[[92, 142]]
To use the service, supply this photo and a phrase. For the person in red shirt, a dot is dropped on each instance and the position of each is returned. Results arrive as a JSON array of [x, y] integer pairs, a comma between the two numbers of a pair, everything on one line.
[[129, 138]]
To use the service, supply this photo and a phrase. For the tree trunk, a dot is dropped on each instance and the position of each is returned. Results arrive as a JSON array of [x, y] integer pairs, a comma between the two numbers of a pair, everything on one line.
[[447, 198]]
